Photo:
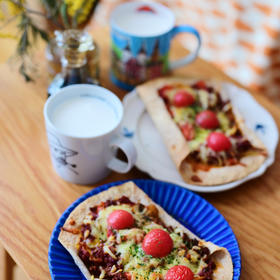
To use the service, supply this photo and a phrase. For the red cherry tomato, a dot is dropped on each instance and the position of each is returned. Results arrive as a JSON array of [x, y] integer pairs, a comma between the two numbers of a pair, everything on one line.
[[188, 131], [109, 231], [146, 8], [120, 219], [157, 243], [200, 85], [128, 275], [179, 272], [183, 98], [217, 141], [207, 119]]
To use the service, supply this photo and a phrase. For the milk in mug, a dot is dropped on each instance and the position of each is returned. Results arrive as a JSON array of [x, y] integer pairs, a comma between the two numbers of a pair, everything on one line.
[[84, 116], [143, 23]]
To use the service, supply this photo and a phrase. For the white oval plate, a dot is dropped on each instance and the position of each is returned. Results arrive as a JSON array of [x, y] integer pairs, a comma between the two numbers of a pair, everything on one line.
[[153, 157]]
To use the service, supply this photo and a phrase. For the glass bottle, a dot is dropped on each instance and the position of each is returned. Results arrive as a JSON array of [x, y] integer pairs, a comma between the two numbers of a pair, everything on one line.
[[79, 61], [53, 56]]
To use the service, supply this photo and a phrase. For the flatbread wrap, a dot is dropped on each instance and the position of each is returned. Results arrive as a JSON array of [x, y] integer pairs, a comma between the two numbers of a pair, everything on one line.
[[102, 251], [186, 130]]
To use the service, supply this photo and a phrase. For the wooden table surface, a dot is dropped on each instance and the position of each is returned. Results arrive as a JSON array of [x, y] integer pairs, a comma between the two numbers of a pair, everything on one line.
[[32, 196]]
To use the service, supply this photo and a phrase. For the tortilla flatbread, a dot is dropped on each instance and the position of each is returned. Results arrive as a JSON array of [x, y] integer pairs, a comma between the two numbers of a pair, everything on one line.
[[178, 146], [224, 268]]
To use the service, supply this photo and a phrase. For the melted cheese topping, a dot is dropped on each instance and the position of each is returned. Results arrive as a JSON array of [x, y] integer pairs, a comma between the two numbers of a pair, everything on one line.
[[128, 249]]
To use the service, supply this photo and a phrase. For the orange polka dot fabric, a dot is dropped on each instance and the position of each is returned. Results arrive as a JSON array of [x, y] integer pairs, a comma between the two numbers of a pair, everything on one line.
[[241, 37]]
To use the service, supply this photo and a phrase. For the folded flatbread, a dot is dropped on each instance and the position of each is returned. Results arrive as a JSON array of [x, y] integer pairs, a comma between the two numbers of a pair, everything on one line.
[[183, 152]]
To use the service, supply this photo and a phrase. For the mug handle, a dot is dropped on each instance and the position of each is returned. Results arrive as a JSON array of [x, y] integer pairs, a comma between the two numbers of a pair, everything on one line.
[[190, 57], [128, 149]]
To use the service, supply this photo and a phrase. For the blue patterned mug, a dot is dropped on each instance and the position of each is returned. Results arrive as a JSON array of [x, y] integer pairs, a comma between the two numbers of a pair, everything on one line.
[[141, 33]]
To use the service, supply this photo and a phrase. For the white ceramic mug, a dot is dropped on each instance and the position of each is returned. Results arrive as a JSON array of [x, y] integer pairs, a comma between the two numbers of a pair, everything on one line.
[[84, 152]]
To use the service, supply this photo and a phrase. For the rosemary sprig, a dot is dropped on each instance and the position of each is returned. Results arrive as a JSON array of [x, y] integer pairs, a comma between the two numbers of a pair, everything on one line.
[[64, 16], [27, 39]]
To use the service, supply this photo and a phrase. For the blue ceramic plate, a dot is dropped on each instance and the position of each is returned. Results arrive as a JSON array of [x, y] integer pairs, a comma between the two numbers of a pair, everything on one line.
[[190, 209]]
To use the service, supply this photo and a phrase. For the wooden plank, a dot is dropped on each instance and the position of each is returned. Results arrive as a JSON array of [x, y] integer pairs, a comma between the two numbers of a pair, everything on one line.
[[7, 265], [3, 263], [32, 196], [18, 274], [9, 270]]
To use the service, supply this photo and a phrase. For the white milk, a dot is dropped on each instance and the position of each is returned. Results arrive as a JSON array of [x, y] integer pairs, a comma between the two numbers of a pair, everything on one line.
[[84, 117], [143, 23]]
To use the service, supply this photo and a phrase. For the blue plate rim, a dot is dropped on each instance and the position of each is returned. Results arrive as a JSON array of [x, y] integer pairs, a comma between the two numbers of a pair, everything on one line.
[[70, 208]]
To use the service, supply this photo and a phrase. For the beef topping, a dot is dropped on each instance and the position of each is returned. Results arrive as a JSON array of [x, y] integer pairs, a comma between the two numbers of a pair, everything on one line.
[[72, 222], [195, 178], [123, 200], [71, 230], [97, 260], [94, 212], [243, 146], [207, 271], [202, 251]]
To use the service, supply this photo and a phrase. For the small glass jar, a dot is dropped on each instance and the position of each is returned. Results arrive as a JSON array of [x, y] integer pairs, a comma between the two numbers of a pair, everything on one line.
[[78, 57]]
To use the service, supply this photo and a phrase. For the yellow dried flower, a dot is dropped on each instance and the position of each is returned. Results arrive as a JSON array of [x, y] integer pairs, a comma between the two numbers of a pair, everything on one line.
[[84, 8], [2, 16], [13, 8], [2, 10], [7, 36]]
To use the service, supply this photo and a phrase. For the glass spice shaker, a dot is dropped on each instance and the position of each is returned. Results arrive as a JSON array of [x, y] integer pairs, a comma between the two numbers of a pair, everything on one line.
[[79, 61]]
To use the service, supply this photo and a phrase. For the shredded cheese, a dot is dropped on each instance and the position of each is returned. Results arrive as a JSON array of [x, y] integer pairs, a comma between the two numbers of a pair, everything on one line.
[[107, 250], [128, 250], [103, 272]]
